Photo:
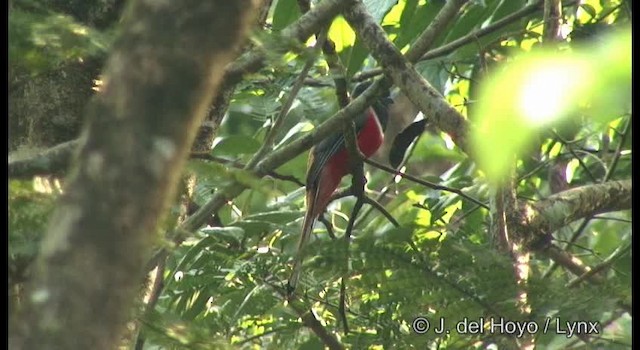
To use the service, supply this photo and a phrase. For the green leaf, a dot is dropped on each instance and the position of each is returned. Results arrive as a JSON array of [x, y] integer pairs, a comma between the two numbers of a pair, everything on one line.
[[232, 232], [27, 219], [542, 88], [235, 145], [254, 228], [474, 20], [379, 8], [435, 73], [341, 33], [277, 217], [470, 20], [357, 55], [412, 24], [406, 16], [189, 257], [285, 13], [350, 49], [589, 9], [506, 7], [312, 343], [42, 40], [395, 235]]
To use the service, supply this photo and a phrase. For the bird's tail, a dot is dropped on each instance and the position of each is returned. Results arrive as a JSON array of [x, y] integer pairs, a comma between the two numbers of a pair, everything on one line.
[[307, 228]]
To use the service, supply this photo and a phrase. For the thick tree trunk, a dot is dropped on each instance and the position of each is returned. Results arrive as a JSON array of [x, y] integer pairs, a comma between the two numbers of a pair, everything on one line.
[[160, 78]]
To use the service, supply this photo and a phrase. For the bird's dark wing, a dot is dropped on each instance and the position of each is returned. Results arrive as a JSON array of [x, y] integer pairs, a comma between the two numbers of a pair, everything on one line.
[[321, 154]]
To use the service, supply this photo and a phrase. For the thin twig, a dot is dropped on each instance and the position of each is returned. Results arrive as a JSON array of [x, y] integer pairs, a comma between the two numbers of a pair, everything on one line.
[[308, 318], [342, 306], [328, 226], [599, 217], [583, 225], [284, 111], [154, 296], [425, 183], [600, 267], [570, 262], [381, 209], [616, 315], [437, 26], [239, 165], [469, 38], [474, 36], [584, 166]]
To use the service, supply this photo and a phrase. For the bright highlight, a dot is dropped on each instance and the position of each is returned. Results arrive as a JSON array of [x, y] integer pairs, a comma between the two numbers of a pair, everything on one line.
[[543, 96]]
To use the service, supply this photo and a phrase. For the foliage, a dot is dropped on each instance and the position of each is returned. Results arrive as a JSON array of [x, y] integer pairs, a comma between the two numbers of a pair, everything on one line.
[[40, 39], [542, 89], [31, 203], [223, 285]]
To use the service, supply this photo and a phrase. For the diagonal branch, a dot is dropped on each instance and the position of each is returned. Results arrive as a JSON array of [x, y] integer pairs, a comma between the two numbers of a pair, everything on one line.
[[308, 24], [571, 263], [309, 319], [279, 121], [412, 84], [607, 176], [469, 38], [436, 27], [425, 182], [271, 162], [57, 159], [559, 210], [600, 267]]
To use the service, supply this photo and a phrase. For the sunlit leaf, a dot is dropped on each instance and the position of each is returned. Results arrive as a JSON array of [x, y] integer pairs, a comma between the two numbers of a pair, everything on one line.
[[541, 89]]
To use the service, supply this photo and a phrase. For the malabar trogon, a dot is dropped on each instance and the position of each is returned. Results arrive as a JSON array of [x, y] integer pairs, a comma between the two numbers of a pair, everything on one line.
[[329, 163]]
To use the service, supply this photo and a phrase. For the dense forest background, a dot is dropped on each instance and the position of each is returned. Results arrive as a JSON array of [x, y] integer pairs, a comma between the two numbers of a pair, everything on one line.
[[158, 150]]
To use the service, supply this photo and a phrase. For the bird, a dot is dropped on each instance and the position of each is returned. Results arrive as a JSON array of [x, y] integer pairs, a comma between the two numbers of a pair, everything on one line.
[[329, 163]]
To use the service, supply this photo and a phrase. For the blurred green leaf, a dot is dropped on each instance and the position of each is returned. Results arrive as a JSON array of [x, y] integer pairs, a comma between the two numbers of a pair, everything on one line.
[[235, 145], [285, 13], [542, 88], [414, 20], [41, 41], [435, 73]]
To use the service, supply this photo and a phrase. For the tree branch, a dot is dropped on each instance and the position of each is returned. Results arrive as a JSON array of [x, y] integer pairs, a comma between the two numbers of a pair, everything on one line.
[[467, 39], [606, 178], [308, 24], [568, 206], [308, 318], [444, 17], [279, 120], [412, 84], [600, 267], [54, 160], [570, 262], [552, 15]]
